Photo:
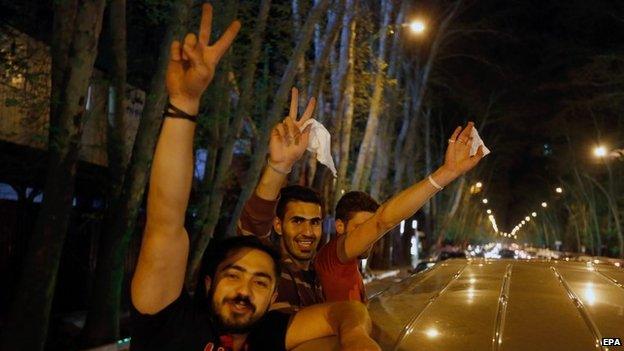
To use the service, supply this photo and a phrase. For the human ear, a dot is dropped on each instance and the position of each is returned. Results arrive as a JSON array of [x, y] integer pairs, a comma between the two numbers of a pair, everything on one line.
[[277, 225], [340, 226]]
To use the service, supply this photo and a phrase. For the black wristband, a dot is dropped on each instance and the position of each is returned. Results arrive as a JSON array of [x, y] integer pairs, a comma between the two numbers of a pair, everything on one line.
[[177, 113]]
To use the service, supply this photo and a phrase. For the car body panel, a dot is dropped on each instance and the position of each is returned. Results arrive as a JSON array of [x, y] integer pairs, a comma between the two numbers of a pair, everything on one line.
[[510, 305]]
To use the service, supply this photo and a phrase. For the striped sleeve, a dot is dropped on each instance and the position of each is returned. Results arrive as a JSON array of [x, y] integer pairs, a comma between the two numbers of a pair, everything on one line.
[[257, 218]]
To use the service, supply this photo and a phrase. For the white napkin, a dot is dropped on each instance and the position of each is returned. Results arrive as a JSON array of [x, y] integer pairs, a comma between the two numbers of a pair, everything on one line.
[[320, 143], [476, 142]]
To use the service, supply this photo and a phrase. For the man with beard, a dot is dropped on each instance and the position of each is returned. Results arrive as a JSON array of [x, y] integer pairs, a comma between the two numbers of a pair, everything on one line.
[[238, 282], [296, 216], [360, 221], [239, 276]]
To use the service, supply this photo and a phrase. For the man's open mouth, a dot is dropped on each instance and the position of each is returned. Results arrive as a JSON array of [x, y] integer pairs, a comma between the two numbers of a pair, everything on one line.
[[241, 306], [304, 244]]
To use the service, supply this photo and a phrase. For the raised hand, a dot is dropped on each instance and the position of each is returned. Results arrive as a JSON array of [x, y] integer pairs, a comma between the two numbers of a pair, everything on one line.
[[457, 160], [192, 64], [288, 138]]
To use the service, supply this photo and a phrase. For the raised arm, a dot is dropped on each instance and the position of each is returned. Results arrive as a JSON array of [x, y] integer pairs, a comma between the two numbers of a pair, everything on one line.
[[457, 161], [159, 275], [348, 320], [287, 144]]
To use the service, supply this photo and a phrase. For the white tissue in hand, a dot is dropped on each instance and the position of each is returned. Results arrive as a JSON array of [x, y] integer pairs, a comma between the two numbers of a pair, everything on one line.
[[320, 143], [476, 142]]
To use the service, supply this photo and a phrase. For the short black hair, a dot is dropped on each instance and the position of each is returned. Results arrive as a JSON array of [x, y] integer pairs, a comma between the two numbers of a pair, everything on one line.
[[296, 193], [354, 201], [219, 250]]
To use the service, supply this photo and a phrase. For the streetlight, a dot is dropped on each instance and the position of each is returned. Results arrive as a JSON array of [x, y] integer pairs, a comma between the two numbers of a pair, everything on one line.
[[559, 190], [534, 214], [479, 184], [527, 218], [489, 211], [485, 201], [523, 222], [600, 151], [544, 205], [417, 26]]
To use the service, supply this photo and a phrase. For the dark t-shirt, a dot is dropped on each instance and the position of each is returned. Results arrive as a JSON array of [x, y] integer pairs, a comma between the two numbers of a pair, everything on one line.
[[182, 327]]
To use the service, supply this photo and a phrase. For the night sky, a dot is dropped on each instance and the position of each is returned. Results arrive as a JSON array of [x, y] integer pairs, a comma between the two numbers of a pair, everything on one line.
[[525, 57]]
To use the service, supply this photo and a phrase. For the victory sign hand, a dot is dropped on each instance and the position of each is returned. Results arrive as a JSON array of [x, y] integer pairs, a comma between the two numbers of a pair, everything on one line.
[[289, 139], [192, 64]]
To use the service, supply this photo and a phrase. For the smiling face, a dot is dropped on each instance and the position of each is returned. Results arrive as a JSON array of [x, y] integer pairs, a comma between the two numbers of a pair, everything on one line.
[[243, 289], [300, 230]]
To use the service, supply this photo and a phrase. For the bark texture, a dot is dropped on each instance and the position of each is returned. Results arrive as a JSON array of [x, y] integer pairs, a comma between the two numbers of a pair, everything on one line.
[[277, 110], [102, 323], [29, 312]]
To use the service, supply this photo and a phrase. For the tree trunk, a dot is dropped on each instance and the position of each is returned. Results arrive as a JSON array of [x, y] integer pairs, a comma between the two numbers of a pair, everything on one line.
[[345, 92], [120, 227], [383, 150], [29, 313], [102, 323], [428, 208], [613, 208], [116, 125], [366, 147], [276, 112], [421, 80], [210, 206]]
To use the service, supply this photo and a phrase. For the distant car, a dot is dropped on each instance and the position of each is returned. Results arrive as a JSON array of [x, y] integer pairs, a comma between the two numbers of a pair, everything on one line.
[[445, 255], [510, 305], [506, 253]]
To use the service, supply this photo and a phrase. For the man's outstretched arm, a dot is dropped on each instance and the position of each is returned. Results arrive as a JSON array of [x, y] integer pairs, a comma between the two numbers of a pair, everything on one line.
[[287, 143], [457, 161], [159, 275], [349, 320]]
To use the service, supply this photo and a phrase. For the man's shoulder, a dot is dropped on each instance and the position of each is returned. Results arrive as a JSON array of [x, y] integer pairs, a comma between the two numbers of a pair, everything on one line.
[[180, 325], [327, 258]]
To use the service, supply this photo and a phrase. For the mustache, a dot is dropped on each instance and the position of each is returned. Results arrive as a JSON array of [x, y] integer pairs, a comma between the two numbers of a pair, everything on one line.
[[243, 300], [306, 237]]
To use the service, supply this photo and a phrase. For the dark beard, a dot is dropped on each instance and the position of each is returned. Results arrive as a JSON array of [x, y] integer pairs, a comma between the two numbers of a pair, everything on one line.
[[224, 327]]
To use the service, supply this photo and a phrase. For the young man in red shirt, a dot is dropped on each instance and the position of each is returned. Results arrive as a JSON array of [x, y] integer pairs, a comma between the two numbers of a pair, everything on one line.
[[360, 222]]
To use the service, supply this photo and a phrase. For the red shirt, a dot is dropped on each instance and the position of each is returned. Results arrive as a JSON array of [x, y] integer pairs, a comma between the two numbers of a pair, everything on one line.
[[340, 281]]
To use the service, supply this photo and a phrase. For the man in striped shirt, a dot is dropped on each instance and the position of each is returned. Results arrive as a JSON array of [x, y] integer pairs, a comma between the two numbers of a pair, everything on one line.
[[294, 213]]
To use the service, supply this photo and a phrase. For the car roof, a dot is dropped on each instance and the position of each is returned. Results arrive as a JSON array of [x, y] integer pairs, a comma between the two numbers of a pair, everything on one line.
[[480, 304]]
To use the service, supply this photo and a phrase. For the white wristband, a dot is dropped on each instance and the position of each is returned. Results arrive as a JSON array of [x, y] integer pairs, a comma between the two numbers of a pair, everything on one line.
[[434, 183]]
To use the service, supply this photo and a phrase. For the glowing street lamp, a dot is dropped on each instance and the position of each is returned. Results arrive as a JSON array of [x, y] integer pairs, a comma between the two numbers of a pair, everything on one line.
[[489, 211], [523, 222], [417, 26], [527, 218], [559, 190], [485, 201], [544, 205], [534, 214], [600, 151], [479, 184]]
